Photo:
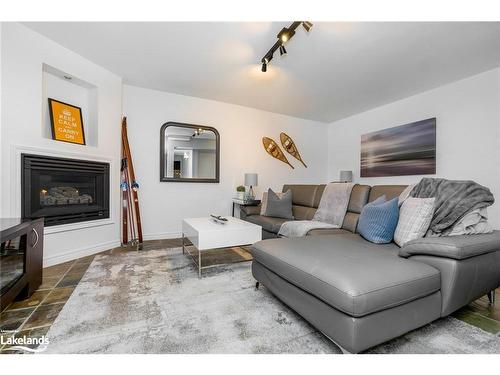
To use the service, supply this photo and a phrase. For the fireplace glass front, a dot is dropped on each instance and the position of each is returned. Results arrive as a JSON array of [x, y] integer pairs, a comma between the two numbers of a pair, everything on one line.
[[64, 190]]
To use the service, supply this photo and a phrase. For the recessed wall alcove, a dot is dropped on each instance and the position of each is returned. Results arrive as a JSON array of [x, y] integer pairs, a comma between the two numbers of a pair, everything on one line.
[[65, 87]]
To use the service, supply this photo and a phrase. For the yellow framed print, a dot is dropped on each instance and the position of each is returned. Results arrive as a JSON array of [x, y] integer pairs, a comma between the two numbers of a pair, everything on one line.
[[67, 122]]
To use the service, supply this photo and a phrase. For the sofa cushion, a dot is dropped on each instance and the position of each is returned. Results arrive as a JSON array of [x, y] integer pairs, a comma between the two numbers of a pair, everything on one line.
[[302, 195], [350, 274], [270, 224], [302, 212], [318, 195], [350, 222], [378, 220], [390, 191], [250, 210], [359, 197]]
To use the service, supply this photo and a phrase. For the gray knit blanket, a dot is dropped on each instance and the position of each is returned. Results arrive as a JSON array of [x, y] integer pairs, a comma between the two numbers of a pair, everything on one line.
[[454, 199], [330, 213]]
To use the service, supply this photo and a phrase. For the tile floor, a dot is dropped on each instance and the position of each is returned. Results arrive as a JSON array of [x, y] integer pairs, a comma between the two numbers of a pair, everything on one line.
[[34, 316]]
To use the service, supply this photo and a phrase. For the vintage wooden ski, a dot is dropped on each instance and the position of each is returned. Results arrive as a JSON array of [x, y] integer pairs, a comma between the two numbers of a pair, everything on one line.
[[130, 209], [124, 188], [289, 146], [134, 185], [274, 150]]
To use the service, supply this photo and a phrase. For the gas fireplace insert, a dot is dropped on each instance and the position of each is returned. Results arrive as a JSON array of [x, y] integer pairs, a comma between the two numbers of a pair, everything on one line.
[[63, 190]]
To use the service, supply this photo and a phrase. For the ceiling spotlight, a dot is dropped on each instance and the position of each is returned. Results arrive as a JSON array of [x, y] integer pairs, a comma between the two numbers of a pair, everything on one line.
[[282, 50], [265, 60], [285, 34], [307, 25]]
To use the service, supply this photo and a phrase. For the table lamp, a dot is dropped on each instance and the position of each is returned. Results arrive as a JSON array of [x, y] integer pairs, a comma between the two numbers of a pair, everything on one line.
[[345, 176], [251, 180]]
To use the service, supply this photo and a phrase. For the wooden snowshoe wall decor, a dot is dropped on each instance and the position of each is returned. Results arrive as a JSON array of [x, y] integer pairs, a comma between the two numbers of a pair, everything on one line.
[[274, 150], [289, 146]]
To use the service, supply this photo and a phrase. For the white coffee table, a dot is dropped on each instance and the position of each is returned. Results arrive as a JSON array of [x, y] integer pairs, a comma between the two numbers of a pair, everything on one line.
[[206, 234]]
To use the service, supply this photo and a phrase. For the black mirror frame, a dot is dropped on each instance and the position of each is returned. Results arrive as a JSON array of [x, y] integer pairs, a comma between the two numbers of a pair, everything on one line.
[[164, 178]]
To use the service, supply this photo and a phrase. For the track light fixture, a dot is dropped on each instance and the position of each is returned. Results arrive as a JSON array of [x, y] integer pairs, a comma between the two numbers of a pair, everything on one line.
[[198, 132], [283, 36]]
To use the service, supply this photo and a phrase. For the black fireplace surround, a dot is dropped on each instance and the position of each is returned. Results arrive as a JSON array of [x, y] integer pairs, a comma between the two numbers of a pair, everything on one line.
[[63, 190]]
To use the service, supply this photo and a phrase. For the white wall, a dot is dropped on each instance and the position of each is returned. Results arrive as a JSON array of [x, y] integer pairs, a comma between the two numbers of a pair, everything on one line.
[[468, 133], [1, 117], [23, 53], [164, 204]]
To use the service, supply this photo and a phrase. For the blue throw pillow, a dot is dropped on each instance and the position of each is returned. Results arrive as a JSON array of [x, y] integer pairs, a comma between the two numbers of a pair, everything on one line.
[[378, 220]]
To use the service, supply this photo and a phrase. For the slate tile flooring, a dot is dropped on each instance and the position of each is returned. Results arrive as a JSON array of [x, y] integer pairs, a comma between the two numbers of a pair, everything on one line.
[[34, 316]]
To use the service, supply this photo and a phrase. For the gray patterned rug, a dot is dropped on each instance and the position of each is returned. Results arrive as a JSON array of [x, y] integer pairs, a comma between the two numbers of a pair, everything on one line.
[[153, 302]]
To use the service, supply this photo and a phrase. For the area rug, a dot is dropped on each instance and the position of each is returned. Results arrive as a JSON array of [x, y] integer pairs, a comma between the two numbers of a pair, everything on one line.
[[153, 302]]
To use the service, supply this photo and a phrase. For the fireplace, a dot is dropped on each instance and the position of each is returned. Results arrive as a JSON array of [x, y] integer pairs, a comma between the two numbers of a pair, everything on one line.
[[63, 190]]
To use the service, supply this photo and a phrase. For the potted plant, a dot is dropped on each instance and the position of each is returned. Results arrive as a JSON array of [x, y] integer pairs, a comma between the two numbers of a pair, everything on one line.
[[240, 192]]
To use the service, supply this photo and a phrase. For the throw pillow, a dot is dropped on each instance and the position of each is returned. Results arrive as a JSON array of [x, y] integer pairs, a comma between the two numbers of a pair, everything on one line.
[[405, 194], [415, 217], [279, 207], [378, 220], [263, 202]]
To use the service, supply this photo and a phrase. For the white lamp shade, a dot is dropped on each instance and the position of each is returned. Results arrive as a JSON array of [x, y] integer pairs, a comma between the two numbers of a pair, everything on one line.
[[345, 176], [251, 179]]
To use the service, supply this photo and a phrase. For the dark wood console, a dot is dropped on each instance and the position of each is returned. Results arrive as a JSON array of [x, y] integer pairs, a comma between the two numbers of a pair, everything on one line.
[[21, 258]]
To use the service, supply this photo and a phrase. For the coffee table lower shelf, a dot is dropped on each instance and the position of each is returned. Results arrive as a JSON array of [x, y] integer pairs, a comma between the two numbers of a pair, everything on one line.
[[185, 249]]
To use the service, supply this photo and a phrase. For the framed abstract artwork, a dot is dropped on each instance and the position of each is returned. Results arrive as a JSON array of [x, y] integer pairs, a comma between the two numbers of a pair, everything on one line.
[[403, 150], [67, 122]]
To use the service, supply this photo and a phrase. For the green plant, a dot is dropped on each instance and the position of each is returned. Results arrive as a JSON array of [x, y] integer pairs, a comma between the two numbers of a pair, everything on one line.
[[240, 189]]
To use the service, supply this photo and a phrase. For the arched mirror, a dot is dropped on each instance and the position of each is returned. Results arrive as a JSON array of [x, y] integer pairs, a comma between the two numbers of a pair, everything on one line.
[[189, 153]]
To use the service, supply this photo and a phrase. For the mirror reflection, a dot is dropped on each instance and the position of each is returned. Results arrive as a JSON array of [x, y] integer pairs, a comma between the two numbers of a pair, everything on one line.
[[189, 152]]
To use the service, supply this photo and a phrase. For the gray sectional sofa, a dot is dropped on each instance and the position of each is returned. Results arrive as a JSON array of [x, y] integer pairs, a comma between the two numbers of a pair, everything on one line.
[[360, 294]]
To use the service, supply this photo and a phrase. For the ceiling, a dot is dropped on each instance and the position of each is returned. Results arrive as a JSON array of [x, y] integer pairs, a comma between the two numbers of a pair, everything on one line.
[[178, 131], [334, 71]]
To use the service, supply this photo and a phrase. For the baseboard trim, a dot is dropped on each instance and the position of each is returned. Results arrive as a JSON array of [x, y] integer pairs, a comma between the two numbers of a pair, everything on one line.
[[162, 236], [79, 253], [90, 250]]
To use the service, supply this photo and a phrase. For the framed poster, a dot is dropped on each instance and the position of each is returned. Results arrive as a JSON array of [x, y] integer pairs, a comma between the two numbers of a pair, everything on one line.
[[66, 121], [403, 150]]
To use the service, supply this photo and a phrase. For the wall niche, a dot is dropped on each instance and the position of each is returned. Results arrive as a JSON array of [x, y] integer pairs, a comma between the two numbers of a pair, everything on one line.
[[67, 88]]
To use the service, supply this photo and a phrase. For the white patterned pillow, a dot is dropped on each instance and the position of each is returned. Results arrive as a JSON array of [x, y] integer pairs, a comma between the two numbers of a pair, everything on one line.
[[263, 202], [415, 216], [405, 194]]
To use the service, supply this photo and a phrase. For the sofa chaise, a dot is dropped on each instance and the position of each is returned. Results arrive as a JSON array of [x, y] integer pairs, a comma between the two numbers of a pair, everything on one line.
[[360, 294]]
